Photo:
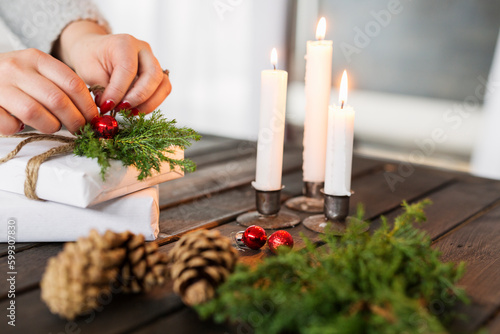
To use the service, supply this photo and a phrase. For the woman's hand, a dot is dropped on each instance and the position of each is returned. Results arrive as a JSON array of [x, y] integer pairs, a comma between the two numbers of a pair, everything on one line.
[[123, 64], [38, 90]]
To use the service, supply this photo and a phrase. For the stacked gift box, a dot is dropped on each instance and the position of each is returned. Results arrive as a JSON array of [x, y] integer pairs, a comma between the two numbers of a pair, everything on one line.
[[74, 196]]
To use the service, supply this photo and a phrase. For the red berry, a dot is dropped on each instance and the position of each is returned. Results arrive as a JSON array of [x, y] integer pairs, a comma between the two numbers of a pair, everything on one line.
[[105, 126], [254, 237], [279, 239]]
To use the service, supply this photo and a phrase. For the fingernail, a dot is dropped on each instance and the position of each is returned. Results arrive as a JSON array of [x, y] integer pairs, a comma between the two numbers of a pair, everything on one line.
[[107, 106], [21, 128], [123, 106], [134, 111], [97, 97]]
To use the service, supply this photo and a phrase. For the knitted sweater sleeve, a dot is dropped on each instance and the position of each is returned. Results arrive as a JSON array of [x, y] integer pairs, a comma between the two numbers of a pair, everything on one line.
[[38, 23]]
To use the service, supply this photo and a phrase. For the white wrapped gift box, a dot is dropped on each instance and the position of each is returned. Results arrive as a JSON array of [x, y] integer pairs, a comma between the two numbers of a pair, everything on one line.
[[74, 180], [39, 221]]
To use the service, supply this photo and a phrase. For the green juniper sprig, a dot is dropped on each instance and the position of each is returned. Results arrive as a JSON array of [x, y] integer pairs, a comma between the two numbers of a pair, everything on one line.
[[380, 283], [143, 142]]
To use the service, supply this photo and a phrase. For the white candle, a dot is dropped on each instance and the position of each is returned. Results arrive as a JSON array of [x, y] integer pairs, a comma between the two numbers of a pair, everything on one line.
[[339, 145], [318, 85], [271, 128]]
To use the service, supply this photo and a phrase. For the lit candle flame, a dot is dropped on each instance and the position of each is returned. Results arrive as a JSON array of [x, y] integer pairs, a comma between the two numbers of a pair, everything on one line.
[[343, 90], [274, 58], [321, 29]]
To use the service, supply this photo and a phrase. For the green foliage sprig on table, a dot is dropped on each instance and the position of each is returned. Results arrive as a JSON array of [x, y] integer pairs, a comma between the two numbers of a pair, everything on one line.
[[380, 283], [142, 142]]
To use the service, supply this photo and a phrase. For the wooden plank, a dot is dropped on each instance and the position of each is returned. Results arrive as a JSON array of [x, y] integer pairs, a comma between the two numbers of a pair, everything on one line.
[[209, 144], [213, 210], [228, 174], [118, 314], [378, 197], [187, 321], [215, 178], [477, 243], [453, 205], [362, 165], [30, 266], [221, 155], [224, 207], [494, 325], [249, 256], [21, 246]]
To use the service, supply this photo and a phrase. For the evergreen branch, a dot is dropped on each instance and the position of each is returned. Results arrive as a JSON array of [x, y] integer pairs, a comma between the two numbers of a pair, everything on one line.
[[142, 142], [379, 283]]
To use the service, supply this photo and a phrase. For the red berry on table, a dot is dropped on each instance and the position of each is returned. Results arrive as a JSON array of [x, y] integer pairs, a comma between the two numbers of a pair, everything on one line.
[[280, 239], [254, 237], [105, 126]]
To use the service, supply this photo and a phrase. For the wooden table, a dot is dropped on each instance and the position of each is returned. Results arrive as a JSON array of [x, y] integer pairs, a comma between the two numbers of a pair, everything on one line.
[[464, 223]]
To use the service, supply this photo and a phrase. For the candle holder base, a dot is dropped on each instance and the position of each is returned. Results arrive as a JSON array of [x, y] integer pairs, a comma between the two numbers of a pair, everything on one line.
[[312, 200], [268, 214], [273, 222], [335, 219], [305, 204], [320, 224]]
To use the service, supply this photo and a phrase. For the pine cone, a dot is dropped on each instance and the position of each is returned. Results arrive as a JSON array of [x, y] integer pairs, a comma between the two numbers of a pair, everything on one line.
[[145, 267], [200, 261], [94, 267]]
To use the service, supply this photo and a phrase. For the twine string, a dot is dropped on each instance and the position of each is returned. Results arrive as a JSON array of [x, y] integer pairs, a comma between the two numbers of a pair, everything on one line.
[[34, 163]]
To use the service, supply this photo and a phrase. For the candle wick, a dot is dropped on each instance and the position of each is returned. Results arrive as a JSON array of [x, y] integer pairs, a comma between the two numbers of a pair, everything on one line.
[[342, 106], [274, 65]]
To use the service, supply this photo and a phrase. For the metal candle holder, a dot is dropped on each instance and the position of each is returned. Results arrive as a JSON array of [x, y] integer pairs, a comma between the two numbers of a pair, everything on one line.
[[268, 215], [312, 200], [335, 217]]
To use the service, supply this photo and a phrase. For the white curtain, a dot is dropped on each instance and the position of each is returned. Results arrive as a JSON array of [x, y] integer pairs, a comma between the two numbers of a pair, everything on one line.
[[486, 155], [214, 50]]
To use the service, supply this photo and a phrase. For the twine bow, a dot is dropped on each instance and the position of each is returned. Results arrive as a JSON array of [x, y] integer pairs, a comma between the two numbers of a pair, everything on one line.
[[34, 163]]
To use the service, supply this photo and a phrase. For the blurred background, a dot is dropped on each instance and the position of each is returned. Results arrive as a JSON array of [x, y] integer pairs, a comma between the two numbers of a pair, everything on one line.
[[418, 70]]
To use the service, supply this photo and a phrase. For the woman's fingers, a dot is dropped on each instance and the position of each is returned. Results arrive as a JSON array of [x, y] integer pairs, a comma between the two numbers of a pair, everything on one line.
[[150, 76], [28, 110], [158, 97], [135, 76], [9, 124], [42, 92], [57, 101], [132, 73], [123, 63], [70, 101]]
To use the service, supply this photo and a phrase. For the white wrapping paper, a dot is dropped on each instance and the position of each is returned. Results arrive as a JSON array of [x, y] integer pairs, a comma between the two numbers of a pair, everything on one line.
[[38, 221], [73, 180]]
